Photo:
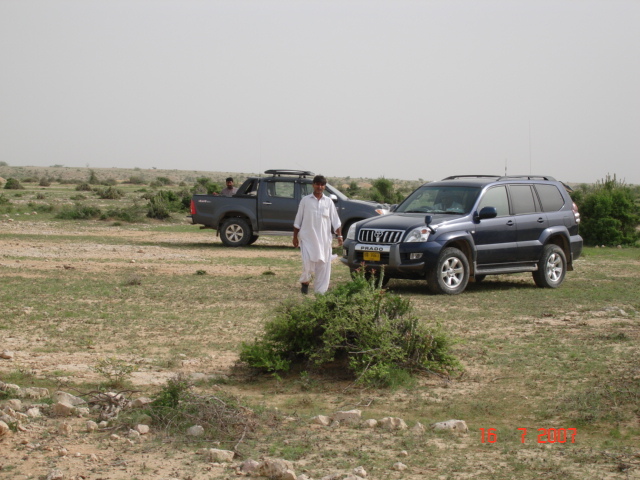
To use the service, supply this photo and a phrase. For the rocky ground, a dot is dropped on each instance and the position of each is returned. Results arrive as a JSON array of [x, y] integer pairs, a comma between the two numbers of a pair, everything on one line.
[[47, 435]]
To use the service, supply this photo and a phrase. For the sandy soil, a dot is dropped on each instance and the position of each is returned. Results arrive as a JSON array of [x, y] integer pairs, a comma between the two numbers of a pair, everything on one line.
[[42, 447]]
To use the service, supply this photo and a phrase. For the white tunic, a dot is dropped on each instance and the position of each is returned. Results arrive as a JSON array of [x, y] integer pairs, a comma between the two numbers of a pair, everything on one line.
[[314, 220]]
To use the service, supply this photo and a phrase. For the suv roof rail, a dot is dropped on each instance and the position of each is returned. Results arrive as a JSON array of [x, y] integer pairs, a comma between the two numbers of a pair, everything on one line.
[[529, 177], [300, 173], [455, 177]]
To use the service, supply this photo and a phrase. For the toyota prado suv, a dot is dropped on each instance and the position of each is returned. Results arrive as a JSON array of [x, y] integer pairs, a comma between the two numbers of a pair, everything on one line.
[[472, 226]]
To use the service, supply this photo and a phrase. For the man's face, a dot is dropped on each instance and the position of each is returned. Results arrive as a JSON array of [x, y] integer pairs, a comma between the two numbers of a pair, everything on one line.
[[230, 184], [318, 189]]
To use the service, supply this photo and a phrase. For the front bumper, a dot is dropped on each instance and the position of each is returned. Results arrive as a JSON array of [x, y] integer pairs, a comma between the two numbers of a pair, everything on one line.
[[396, 259]]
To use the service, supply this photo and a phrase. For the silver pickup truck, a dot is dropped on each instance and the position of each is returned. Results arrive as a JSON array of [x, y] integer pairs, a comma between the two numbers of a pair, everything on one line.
[[268, 205]]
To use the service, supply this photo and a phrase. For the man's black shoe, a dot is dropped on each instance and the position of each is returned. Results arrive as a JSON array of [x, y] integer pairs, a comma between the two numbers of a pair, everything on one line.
[[304, 288]]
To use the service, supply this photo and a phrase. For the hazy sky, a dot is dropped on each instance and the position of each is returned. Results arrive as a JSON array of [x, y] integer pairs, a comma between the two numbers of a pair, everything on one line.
[[400, 89]]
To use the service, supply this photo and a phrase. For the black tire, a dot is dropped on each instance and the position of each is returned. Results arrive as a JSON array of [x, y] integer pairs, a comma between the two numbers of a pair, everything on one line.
[[253, 239], [450, 275], [479, 278], [235, 232], [552, 267]]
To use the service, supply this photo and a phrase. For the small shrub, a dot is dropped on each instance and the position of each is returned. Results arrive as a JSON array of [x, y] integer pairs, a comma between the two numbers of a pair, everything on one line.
[[13, 184], [79, 212], [177, 407], [4, 200], [368, 331], [136, 180], [93, 178], [130, 214], [45, 182], [110, 193], [84, 187], [116, 372]]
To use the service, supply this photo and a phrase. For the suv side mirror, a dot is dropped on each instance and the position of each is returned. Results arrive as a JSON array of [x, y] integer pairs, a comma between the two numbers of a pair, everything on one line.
[[487, 212], [333, 197]]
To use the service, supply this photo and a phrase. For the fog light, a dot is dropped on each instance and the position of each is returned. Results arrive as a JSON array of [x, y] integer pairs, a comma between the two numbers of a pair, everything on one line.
[[415, 256]]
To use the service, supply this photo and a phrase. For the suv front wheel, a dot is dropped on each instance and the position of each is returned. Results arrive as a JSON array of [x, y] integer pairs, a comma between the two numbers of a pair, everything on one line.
[[450, 275], [552, 267]]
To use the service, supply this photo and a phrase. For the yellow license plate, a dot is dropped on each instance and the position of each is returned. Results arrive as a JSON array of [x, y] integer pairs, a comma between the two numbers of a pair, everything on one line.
[[371, 256]]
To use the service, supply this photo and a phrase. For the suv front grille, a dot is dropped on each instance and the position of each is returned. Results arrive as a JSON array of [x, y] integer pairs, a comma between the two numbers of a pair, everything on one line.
[[380, 236]]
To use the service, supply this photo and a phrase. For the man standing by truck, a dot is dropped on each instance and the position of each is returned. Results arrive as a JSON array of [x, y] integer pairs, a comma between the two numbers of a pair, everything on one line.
[[316, 217]]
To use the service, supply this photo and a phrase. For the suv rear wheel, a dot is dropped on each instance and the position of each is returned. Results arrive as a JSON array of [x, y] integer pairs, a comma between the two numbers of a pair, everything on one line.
[[235, 232], [450, 274], [552, 267]]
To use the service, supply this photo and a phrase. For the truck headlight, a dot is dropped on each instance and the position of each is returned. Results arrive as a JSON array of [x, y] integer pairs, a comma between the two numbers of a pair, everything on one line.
[[420, 234], [351, 234]]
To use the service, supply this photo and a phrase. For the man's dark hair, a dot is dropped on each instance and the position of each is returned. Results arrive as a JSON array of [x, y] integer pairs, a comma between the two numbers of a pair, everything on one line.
[[320, 179], [229, 179]]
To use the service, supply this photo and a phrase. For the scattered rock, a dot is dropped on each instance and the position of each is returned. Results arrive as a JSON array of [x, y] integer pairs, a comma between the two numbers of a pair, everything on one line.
[[55, 475], [399, 466], [195, 431], [91, 426], [34, 412], [249, 467], [35, 392], [64, 397], [141, 402], [65, 429], [6, 355], [393, 423], [4, 429], [142, 429], [275, 468], [222, 456], [418, 429], [321, 420], [63, 409], [459, 426], [370, 423], [360, 472], [351, 416]]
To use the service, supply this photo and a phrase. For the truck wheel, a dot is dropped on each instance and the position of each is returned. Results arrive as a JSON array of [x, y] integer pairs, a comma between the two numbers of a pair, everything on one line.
[[235, 232], [552, 267], [450, 275]]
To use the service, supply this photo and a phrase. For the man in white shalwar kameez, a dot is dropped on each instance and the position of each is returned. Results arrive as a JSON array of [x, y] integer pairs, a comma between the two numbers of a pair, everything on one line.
[[312, 233]]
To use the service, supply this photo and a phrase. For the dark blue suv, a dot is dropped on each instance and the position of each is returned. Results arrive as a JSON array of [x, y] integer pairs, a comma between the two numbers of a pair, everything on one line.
[[471, 226]]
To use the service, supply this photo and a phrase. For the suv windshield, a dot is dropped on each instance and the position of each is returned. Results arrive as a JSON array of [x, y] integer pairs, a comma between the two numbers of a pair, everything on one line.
[[440, 199]]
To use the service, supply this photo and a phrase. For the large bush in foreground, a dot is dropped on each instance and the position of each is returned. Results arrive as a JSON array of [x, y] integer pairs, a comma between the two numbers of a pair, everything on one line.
[[369, 331], [608, 212]]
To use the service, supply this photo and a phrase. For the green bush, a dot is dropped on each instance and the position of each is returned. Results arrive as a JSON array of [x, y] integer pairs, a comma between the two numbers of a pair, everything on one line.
[[131, 214], [84, 187], [13, 184], [163, 202], [79, 212], [206, 185], [608, 213], [364, 329], [110, 193]]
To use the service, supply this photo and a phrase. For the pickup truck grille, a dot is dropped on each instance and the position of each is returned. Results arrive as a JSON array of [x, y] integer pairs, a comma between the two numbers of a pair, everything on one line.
[[380, 236]]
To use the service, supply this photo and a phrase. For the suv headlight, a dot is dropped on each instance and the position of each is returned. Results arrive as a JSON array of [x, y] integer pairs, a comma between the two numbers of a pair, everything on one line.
[[420, 234], [351, 234]]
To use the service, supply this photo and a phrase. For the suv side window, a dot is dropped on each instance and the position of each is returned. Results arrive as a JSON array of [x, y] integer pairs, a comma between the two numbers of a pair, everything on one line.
[[281, 189], [550, 197], [496, 197], [522, 200]]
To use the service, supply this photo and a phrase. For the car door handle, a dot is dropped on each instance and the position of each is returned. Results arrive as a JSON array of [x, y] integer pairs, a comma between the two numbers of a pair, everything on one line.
[[266, 203], [510, 223], [541, 220]]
